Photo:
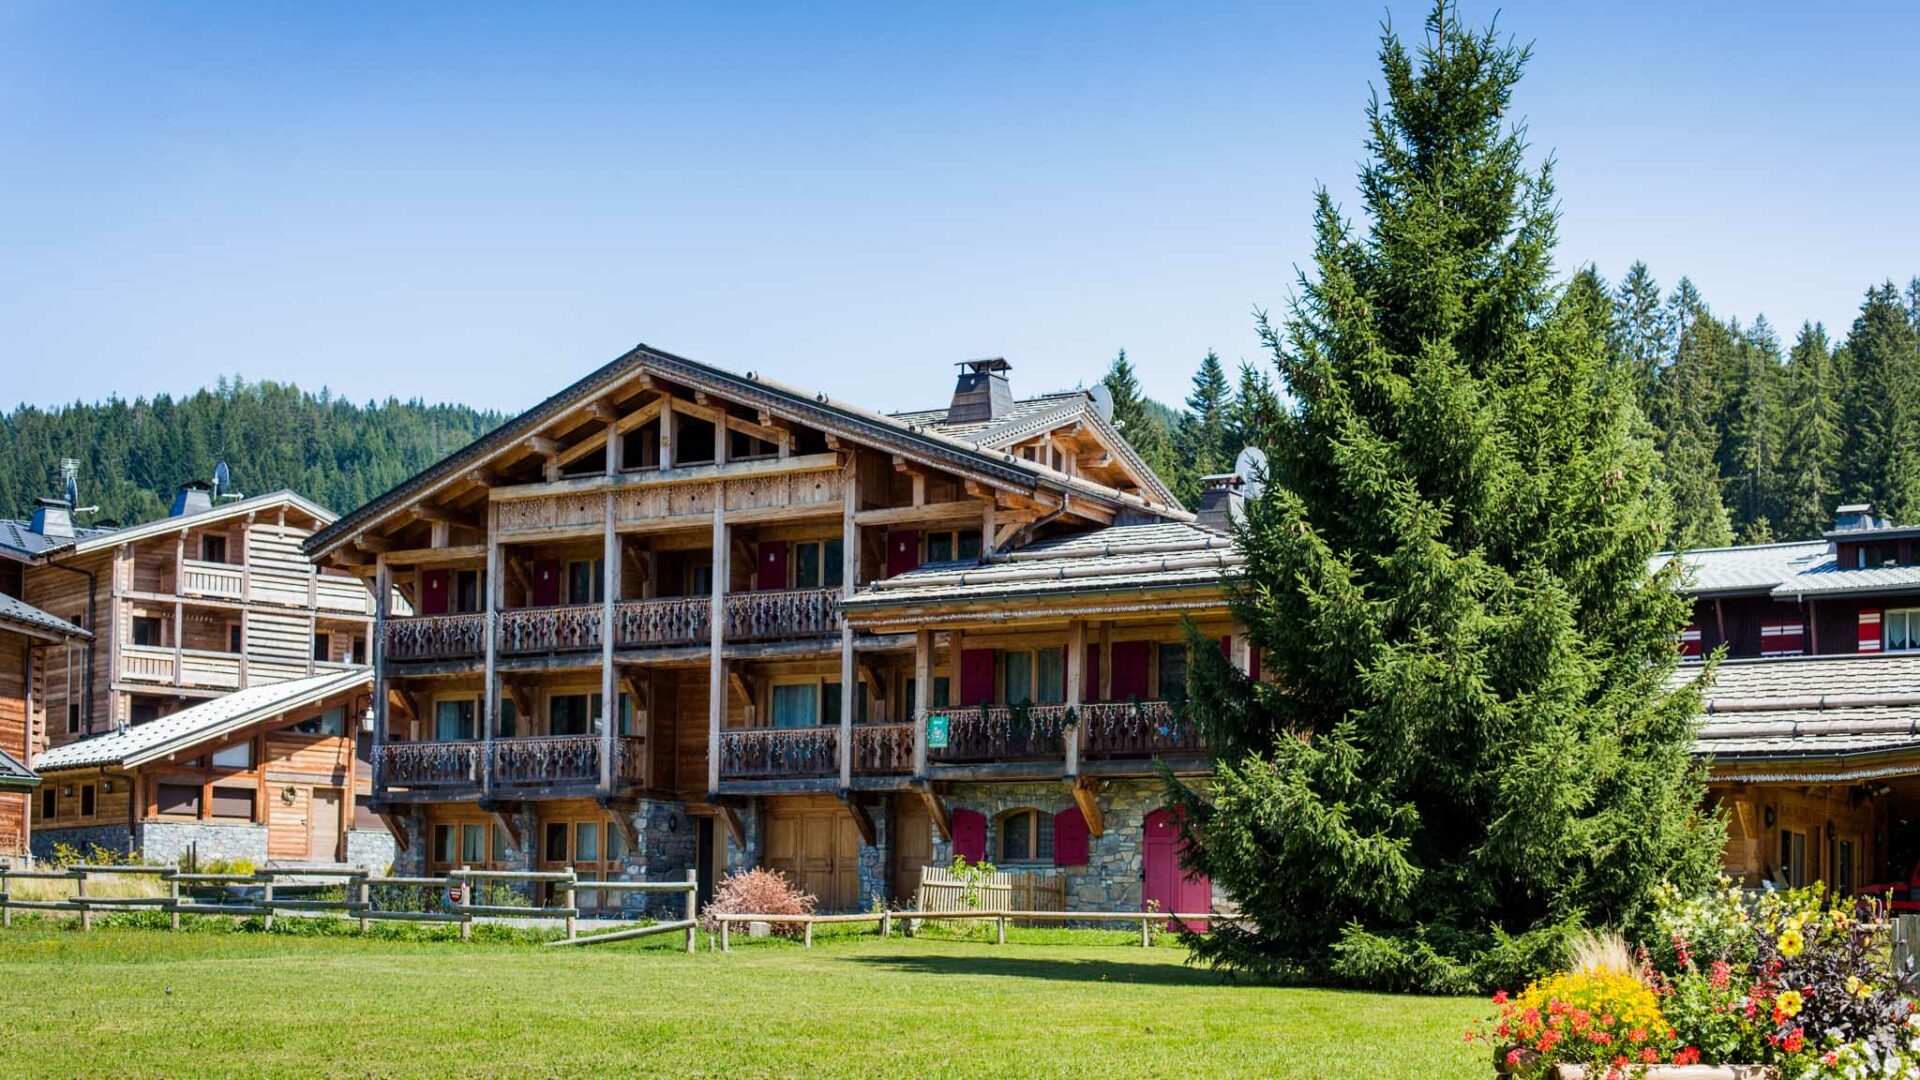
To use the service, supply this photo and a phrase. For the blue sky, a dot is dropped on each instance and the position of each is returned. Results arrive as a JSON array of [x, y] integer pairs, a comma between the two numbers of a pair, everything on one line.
[[480, 203]]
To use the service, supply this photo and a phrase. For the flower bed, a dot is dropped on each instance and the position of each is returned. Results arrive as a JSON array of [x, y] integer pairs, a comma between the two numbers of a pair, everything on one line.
[[1781, 985]]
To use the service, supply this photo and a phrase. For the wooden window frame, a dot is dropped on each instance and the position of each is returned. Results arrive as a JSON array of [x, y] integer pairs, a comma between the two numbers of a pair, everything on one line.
[[433, 715], [89, 801], [832, 571], [1037, 823], [953, 538], [817, 682]]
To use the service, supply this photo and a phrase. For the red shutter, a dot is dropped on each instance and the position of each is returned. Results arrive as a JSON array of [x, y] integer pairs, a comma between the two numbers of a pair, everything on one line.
[[903, 551], [1226, 648], [969, 836], [1783, 637], [1253, 662], [1129, 678], [976, 677], [1690, 642], [433, 592], [772, 563], [1069, 838], [1870, 631], [546, 582], [1091, 692]]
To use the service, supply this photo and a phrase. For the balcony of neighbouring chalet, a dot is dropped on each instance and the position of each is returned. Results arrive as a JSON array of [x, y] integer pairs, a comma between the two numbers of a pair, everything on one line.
[[526, 767]]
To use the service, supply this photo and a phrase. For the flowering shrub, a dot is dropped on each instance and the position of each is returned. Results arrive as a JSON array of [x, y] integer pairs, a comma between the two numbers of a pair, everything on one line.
[[759, 892], [1606, 1020]]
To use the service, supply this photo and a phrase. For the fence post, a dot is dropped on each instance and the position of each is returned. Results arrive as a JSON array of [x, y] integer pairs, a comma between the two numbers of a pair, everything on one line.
[[886, 924], [364, 894], [1000, 930], [693, 904], [809, 937], [173, 897], [266, 898], [573, 876], [6, 908], [1146, 931], [725, 945], [80, 894]]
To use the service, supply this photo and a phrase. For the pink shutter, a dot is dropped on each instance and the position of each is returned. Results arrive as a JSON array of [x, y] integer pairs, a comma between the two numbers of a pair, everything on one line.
[[1129, 678], [433, 592], [976, 677], [1253, 662], [1226, 648], [1690, 642], [1783, 637], [1870, 630], [772, 562], [1091, 692], [1069, 838], [903, 551], [546, 582], [969, 836]]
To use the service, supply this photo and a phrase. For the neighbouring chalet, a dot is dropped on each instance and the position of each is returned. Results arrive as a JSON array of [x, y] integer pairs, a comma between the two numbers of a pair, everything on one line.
[[25, 632], [268, 774], [678, 617], [1812, 725]]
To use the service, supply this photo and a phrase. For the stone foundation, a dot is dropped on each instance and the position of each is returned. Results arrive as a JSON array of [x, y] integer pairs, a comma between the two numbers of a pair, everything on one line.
[[115, 838], [372, 849], [175, 842]]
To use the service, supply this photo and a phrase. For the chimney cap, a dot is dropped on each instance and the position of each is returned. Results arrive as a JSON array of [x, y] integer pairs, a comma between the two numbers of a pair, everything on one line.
[[988, 363]]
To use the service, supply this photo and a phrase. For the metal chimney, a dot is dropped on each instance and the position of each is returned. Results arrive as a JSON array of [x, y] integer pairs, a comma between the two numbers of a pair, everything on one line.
[[983, 392], [193, 497]]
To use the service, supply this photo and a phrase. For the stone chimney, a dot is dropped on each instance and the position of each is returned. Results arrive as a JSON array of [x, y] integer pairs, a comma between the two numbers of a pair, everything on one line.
[[193, 497], [982, 393], [1219, 501], [53, 517]]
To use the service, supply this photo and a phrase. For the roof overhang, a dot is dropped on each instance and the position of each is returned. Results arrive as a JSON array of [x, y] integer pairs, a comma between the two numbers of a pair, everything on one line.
[[146, 530]]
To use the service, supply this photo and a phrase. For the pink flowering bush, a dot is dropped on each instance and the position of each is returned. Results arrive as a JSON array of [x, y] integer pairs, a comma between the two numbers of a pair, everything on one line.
[[759, 892]]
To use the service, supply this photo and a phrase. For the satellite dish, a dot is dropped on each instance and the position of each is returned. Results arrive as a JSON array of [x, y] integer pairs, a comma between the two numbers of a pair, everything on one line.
[[73, 491], [223, 482], [1102, 401], [1251, 468]]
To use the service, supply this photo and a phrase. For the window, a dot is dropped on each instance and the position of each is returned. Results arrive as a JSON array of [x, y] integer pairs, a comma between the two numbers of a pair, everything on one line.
[[586, 842], [700, 580], [234, 644], [498, 849], [144, 712], [49, 802], [948, 545], [819, 564], [509, 718], [213, 549], [796, 705], [182, 800], [911, 688], [626, 714], [331, 722], [148, 630], [553, 842], [1902, 629], [466, 591], [1843, 866], [359, 653], [237, 756], [1017, 675], [235, 803], [87, 804], [322, 647], [444, 841], [1034, 678], [586, 581], [1173, 673], [73, 717], [573, 714], [454, 720], [1793, 859], [473, 844], [1026, 836]]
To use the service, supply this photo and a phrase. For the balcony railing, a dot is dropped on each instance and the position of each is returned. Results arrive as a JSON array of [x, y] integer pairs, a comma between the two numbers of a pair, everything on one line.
[[761, 616], [571, 760], [197, 667], [332, 593], [681, 620], [987, 733], [770, 753], [1137, 729], [550, 629], [882, 749], [211, 579], [436, 637]]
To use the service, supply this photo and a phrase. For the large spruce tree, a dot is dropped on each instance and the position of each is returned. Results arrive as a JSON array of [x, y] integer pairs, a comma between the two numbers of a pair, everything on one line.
[[1810, 450], [1466, 744], [1880, 458]]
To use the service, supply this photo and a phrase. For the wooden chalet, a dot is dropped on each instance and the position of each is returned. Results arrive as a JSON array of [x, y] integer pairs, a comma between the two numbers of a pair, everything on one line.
[[25, 632], [675, 616], [268, 774]]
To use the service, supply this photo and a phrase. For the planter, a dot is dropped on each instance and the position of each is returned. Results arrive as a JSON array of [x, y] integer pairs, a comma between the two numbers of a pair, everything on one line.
[[1650, 1072]]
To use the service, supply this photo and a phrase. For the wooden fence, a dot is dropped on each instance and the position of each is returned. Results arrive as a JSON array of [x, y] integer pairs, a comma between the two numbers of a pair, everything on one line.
[[999, 917], [264, 893], [941, 890]]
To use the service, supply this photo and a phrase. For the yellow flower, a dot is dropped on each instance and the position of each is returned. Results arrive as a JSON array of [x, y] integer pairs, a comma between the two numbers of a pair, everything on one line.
[[1791, 943], [1859, 989], [1788, 1002]]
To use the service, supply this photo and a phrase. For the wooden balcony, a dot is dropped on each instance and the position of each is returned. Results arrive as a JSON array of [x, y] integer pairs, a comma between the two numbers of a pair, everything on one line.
[[521, 767], [790, 613], [681, 620], [1137, 730], [434, 765], [185, 667], [550, 629], [342, 594], [780, 753], [883, 749], [436, 637], [997, 733], [220, 580]]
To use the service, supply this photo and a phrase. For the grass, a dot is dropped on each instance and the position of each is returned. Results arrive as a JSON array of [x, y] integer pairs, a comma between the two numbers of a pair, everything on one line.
[[149, 1003]]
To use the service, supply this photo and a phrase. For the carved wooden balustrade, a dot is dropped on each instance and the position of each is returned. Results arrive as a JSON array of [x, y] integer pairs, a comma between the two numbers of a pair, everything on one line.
[[1003, 732], [682, 620], [546, 759], [630, 758], [776, 753], [550, 629], [1127, 729], [436, 637], [882, 749], [761, 616], [429, 764]]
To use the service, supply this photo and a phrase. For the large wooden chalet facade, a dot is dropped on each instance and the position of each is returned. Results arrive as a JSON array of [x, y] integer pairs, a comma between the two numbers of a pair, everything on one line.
[[677, 617]]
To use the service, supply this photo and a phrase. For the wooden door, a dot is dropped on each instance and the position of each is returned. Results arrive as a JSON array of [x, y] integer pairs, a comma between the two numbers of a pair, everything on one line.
[[323, 823], [772, 564], [817, 847], [976, 677], [1166, 885], [903, 551], [1130, 663], [912, 846], [546, 582], [433, 592]]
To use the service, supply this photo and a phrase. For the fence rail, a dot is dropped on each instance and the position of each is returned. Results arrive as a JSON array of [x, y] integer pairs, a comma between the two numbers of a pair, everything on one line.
[[459, 900]]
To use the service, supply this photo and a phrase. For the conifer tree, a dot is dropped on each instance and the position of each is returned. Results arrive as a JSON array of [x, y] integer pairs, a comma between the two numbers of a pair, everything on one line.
[[1202, 440], [1144, 431], [1642, 330], [1750, 443], [1810, 444], [1466, 744], [1686, 404], [1880, 457], [1255, 411]]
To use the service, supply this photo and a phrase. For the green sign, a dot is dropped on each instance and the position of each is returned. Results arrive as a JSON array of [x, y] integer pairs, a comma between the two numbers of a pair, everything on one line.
[[936, 733]]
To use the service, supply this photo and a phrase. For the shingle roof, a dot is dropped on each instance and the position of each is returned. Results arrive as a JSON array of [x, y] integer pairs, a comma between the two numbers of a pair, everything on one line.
[[15, 776], [1122, 558], [18, 539], [1826, 578], [19, 614], [1752, 568], [1811, 708], [984, 431], [182, 730]]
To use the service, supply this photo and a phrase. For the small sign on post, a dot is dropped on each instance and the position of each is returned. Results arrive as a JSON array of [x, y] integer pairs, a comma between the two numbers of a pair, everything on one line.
[[936, 733]]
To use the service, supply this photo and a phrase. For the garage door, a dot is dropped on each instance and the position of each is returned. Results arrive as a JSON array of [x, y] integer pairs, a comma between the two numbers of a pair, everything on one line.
[[817, 845]]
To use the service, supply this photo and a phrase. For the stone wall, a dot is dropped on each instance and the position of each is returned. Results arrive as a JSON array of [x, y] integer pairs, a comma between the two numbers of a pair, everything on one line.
[[114, 838], [171, 841], [876, 859], [1110, 881], [372, 849], [744, 857], [668, 842]]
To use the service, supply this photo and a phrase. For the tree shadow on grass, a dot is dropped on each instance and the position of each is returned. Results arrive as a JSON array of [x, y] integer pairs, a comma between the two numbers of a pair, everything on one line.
[[1125, 972]]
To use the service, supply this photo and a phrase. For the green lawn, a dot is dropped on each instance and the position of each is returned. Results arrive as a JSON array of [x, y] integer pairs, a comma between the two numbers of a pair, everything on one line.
[[144, 1003]]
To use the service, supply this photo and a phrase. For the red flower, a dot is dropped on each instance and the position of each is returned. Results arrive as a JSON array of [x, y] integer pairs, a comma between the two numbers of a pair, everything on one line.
[[1794, 1042], [1513, 1056], [1638, 1035], [1499, 997], [1688, 1055], [1649, 1055]]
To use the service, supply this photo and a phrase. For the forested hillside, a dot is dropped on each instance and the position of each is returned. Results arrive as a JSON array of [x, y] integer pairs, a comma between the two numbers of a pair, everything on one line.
[[133, 454], [1759, 438]]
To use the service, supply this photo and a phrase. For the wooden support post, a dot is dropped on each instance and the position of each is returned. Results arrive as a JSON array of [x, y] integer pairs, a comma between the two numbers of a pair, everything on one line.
[[173, 898], [1076, 682], [609, 689], [80, 893], [266, 903], [725, 944], [363, 893], [693, 908], [382, 598], [6, 908], [922, 698], [1146, 932], [809, 933], [490, 689], [849, 577], [886, 924], [1000, 930], [573, 897], [716, 662]]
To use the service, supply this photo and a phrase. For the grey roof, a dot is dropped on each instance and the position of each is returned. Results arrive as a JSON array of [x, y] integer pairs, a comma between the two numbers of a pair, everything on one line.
[[1752, 568], [13, 775], [1816, 708], [1826, 578], [176, 732], [984, 432], [1121, 558], [18, 539], [19, 615]]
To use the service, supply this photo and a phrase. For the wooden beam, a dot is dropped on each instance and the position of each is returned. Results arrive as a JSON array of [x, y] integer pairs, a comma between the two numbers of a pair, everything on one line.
[[738, 686], [965, 512], [395, 826], [735, 827], [435, 514], [861, 819], [376, 544], [875, 679], [544, 445], [505, 819], [1086, 795], [603, 411], [426, 556], [482, 478], [937, 809]]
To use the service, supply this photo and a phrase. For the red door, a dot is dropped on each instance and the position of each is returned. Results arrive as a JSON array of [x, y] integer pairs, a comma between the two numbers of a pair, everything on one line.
[[1165, 883], [976, 677], [1130, 670], [1091, 692], [546, 582], [772, 560], [433, 592], [903, 551], [969, 835]]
